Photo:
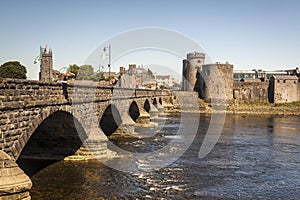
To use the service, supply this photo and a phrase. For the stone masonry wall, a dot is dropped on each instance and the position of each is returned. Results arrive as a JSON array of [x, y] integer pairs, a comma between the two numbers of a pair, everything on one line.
[[298, 92], [218, 79], [285, 91], [25, 104], [247, 92]]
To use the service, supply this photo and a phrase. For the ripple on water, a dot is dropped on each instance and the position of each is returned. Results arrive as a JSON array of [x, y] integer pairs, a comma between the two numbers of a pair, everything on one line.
[[255, 158]]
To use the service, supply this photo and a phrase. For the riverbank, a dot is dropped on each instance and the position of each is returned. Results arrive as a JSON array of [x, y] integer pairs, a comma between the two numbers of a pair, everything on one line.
[[256, 108], [265, 108]]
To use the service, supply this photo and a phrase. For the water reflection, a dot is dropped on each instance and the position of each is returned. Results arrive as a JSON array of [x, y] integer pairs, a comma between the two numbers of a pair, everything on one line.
[[255, 158]]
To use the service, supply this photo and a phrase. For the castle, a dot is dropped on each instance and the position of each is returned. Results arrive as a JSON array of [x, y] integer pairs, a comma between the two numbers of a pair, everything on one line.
[[215, 82]]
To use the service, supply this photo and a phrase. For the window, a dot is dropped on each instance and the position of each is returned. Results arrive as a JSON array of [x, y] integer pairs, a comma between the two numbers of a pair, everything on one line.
[[199, 61]]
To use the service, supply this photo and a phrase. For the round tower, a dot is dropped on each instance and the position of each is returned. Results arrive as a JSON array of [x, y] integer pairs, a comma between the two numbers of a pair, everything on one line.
[[185, 72], [194, 63]]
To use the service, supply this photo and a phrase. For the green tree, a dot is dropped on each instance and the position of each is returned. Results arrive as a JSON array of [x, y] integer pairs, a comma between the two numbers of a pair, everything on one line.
[[73, 69], [13, 69], [86, 72], [98, 76]]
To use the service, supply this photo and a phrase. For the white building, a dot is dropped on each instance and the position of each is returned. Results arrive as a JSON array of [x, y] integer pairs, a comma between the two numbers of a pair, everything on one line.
[[166, 81]]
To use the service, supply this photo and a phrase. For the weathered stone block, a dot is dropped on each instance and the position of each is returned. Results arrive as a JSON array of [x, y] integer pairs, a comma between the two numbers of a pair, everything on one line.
[[14, 184]]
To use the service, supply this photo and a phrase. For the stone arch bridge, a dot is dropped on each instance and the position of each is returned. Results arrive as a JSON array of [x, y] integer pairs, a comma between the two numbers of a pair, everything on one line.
[[33, 115]]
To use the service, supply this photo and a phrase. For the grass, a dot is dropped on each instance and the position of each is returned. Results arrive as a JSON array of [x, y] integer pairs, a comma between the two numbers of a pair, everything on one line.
[[252, 104], [290, 104]]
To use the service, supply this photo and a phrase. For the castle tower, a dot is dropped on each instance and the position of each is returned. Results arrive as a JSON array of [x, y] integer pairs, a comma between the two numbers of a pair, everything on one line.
[[191, 66], [185, 72], [218, 82], [46, 66]]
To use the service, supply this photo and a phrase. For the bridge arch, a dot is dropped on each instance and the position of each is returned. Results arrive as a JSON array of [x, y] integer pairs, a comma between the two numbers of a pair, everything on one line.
[[134, 111], [171, 100], [154, 102], [147, 106], [160, 101], [110, 120], [59, 135]]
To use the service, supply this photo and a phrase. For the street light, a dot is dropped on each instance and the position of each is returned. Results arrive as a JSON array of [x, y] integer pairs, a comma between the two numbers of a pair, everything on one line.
[[109, 59]]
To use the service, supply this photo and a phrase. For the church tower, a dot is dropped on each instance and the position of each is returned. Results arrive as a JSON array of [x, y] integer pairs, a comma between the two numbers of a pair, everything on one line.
[[46, 66]]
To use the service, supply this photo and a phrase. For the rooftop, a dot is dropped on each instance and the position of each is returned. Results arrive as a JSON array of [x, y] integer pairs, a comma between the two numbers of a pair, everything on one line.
[[285, 77]]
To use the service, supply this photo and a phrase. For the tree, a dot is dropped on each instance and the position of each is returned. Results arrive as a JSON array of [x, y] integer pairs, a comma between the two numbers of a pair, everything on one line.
[[13, 69], [86, 72], [73, 69], [98, 76]]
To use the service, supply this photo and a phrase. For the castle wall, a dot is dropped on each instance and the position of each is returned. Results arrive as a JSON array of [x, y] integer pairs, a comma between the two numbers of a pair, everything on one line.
[[184, 85], [286, 91], [298, 92], [248, 92], [218, 82]]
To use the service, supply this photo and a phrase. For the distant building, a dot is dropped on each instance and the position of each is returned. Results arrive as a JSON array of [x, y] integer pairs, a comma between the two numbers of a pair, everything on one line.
[[46, 67], [257, 74], [244, 74], [167, 81], [269, 74], [111, 74], [136, 77], [144, 78], [294, 72]]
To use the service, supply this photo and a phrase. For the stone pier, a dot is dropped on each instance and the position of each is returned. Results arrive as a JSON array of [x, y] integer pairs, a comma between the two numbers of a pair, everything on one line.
[[144, 117], [127, 125], [153, 111], [14, 183]]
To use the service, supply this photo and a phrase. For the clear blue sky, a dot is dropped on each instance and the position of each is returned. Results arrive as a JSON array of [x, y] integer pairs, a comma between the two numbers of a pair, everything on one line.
[[247, 33]]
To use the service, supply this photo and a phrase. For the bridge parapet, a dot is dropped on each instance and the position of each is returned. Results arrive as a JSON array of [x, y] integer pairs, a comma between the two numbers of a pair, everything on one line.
[[18, 94], [24, 104]]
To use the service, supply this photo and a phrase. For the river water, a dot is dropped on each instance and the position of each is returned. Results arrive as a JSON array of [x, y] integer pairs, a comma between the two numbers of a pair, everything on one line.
[[256, 157]]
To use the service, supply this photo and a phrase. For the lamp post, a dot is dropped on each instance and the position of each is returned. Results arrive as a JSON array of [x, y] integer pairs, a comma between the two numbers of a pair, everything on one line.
[[109, 59]]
